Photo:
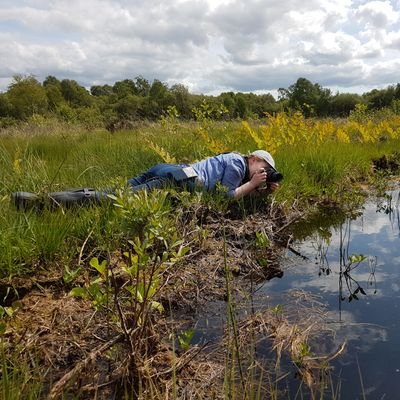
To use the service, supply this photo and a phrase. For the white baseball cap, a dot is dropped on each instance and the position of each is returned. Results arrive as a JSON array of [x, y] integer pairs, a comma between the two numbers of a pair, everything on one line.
[[264, 155]]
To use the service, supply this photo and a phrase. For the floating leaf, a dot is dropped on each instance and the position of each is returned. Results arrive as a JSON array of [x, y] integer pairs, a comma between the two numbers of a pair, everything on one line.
[[357, 258]]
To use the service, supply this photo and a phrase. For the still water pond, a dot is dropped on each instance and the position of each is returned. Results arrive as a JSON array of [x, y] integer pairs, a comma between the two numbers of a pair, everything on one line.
[[363, 298]]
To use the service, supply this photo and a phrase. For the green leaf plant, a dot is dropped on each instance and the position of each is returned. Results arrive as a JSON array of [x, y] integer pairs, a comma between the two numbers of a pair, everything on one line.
[[98, 290], [129, 288]]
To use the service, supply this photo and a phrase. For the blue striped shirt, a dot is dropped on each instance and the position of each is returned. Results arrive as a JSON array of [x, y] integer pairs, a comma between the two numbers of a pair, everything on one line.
[[229, 169]]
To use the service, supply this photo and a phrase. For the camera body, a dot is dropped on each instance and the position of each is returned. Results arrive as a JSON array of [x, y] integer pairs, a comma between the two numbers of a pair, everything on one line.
[[273, 176]]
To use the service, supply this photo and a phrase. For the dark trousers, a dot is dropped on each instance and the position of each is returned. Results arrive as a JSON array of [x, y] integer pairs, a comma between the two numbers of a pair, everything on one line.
[[156, 177]]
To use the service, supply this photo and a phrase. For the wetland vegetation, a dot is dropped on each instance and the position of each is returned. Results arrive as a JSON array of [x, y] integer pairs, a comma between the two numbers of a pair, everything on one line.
[[104, 301]]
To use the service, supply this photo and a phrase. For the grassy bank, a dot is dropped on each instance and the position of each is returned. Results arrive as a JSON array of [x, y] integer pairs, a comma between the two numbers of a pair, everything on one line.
[[47, 163], [111, 289]]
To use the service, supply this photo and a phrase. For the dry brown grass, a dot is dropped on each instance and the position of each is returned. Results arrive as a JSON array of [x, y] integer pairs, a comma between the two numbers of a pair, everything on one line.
[[100, 354]]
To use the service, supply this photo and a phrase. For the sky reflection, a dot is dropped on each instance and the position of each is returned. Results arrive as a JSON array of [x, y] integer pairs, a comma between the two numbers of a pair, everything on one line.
[[368, 322]]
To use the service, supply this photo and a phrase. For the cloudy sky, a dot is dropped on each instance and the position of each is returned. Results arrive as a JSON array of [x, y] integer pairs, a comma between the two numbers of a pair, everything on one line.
[[208, 45]]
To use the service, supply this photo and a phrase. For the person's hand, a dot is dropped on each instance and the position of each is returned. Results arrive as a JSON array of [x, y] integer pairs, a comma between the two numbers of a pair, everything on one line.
[[268, 188], [258, 178], [272, 186]]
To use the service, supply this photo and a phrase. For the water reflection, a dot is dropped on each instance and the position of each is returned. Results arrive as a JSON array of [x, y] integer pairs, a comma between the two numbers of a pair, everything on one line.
[[350, 286], [357, 252], [350, 263], [390, 204], [355, 271]]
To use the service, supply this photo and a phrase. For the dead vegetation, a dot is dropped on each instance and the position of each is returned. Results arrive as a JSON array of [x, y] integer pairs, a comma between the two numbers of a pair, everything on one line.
[[389, 163], [130, 350]]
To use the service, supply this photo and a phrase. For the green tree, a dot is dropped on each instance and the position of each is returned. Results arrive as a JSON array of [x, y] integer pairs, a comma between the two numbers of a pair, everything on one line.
[[182, 100], [27, 97], [128, 107], [310, 99], [159, 99], [228, 100], [258, 105], [343, 103], [51, 80], [124, 88], [380, 98], [158, 90], [397, 92], [89, 117], [322, 105], [241, 106], [54, 95], [74, 94], [142, 86], [101, 90], [5, 106]]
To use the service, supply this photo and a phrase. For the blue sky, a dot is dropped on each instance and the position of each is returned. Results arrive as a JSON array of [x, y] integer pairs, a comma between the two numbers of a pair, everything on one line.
[[210, 46]]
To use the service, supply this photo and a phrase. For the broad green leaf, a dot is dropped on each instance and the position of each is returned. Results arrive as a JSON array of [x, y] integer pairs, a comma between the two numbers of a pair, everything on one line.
[[357, 258], [101, 268], [3, 327], [134, 291], [157, 306], [79, 292], [9, 311], [185, 338]]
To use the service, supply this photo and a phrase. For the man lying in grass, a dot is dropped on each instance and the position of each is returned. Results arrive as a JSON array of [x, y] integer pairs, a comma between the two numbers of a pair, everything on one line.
[[240, 175]]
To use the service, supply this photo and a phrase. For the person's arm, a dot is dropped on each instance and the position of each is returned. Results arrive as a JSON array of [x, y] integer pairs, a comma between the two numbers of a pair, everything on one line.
[[256, 180], [234, 174]]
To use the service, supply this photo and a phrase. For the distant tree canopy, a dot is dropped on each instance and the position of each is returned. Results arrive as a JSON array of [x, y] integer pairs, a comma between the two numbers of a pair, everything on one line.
[[307, 97], [134, 99], [26, 96]]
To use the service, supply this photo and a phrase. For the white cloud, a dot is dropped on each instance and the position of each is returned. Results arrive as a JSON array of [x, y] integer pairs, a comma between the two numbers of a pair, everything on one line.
[[330, 48], [211, 45], [376, 14]]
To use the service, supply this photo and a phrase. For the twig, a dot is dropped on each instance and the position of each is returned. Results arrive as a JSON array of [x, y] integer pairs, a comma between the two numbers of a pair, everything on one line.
[[57, 388], [180, 365], [294, 219], [83, 246], [122, 316], [337, 353], [297, 253]]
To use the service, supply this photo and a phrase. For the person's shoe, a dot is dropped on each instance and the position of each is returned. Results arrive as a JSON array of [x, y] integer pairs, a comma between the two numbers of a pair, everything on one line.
[[25, 200]]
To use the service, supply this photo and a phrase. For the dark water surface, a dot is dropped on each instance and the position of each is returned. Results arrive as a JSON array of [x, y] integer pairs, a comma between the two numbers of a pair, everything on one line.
[[363, 300]]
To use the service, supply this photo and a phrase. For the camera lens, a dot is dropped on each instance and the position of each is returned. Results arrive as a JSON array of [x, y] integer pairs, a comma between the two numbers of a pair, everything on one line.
[[274, 176]]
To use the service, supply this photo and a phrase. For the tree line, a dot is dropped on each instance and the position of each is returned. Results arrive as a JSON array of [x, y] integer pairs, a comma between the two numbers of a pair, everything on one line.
[[135, 99]]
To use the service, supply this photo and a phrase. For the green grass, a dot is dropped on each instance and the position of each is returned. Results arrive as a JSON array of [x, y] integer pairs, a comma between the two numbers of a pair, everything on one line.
[[52, 162], [51, 241], [18, 380], [328, 169]]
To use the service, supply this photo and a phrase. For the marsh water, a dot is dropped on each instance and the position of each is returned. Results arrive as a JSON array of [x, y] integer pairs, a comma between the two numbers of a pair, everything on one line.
[[353, 266]]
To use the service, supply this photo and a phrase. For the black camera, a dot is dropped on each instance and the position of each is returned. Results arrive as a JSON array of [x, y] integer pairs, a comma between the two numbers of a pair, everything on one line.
[[273, 176]]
